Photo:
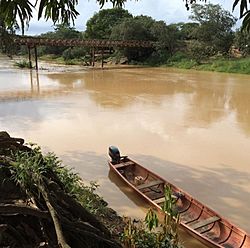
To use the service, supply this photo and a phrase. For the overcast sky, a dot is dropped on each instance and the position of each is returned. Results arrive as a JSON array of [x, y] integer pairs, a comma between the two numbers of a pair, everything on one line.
[[170, 11]]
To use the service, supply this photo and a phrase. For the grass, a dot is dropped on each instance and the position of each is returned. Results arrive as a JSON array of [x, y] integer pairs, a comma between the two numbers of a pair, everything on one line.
[[229, 65], [183, 64]]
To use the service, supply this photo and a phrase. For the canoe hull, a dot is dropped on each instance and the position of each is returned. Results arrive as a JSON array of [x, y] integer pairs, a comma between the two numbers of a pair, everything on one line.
[[201, 222]]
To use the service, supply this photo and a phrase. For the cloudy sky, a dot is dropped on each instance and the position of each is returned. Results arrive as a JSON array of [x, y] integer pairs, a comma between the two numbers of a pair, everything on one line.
[[170, 11]]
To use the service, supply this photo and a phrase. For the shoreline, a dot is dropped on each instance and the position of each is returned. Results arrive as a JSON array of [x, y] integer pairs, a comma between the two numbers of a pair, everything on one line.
[[232, 66]]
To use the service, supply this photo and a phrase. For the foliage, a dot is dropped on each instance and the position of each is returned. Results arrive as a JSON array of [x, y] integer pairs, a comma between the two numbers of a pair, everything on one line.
[[61, 32], [183, 64], [200, 51], [13, 12], [6, 43], [178, 56], [136, 235], [19, 13], [146, 28], [74, 53], [244, 13], [131, 29], [29, 169], [147, 22], [22, 64], [100, 25], [229, 65], [242, 41], [166, 37], [186, 30], [144, 235], [215, 26]]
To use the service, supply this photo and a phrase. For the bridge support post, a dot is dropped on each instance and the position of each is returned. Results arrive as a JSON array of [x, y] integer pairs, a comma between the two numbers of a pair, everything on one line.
[[102, 57], [36, 58], [93, 56], [30, 63]]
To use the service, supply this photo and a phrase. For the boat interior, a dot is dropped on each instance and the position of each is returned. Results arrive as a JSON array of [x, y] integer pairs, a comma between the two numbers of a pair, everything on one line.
[[194, 215]]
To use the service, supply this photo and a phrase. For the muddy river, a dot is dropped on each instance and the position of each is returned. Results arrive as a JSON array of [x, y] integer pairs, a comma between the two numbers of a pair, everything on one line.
[[191, 127]]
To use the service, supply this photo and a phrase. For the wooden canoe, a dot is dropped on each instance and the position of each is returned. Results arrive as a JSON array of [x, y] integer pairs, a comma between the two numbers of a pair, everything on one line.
[[199, 220]]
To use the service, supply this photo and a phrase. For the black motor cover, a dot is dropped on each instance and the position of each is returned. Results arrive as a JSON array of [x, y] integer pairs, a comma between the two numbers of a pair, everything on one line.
[[114, 153]]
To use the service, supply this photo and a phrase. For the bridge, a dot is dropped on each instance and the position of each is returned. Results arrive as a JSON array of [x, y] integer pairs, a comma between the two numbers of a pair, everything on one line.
[[33, 42]]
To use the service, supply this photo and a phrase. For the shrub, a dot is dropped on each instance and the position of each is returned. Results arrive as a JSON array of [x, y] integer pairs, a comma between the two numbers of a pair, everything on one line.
[[74, 53], [23, 64], [200, 51]]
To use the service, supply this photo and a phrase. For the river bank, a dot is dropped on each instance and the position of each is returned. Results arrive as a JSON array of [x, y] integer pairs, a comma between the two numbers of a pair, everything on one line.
[[228, 65], [45, 204], [179, 61]]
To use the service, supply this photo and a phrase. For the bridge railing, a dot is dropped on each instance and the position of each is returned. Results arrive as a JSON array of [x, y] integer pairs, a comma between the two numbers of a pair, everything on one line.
[[80, 42]]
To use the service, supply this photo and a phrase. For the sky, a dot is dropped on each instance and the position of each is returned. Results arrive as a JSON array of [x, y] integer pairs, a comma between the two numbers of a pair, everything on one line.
[[170, 11]]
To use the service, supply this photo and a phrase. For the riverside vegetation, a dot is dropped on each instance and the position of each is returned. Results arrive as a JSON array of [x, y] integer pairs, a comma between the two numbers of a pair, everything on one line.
[[45, 204], [208, 42]]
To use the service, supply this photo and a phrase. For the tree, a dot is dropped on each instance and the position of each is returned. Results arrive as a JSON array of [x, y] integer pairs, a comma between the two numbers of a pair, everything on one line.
[[131, 29], [242, 41], [166, 38], [146, 21], [146, 28], [199, 50], [20, 12], [6, 44], [186, 30], [62, 31], [215, 26], [100, 25]]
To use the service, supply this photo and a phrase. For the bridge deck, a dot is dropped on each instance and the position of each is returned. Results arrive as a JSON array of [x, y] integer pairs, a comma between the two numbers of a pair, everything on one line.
[[33, 41]]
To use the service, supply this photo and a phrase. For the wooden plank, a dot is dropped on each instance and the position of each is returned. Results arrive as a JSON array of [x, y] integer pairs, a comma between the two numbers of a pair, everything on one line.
[[161, 200], [150, 184], [123, 164], [205, 222]]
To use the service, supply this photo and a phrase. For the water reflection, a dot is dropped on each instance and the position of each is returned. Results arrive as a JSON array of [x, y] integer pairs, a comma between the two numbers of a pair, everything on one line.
[[34, 82], [24, 85], [209, 96], [204, 97]]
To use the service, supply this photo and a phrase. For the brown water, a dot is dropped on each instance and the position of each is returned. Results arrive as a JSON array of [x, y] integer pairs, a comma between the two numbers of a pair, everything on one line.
[[192, 128]]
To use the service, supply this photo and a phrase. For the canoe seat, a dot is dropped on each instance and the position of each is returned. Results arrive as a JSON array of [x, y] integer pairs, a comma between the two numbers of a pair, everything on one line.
[[162, 199], [205, 222], [123, 164], [149, 184]]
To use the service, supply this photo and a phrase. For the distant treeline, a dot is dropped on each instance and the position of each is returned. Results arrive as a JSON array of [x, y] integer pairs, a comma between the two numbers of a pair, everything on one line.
[[208, 35]]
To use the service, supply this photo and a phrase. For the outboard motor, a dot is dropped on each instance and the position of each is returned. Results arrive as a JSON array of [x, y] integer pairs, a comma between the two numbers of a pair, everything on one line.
[[114, 153]]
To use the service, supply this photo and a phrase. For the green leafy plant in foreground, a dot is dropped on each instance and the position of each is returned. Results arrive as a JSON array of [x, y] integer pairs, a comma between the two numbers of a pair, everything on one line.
[[30, 168], [152, 233]]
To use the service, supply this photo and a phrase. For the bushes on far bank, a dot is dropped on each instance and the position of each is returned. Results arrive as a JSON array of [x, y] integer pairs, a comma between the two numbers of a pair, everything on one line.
[[229, 65]]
